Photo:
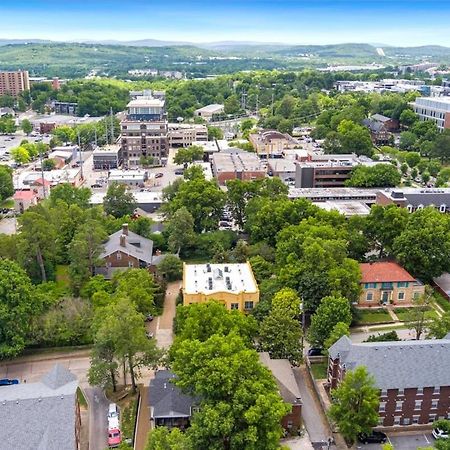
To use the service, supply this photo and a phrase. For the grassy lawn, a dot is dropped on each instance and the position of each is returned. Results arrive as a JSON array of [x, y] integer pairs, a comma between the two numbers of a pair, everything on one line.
[[319, 371], [62, 276], [442, 302], [376, 329], [371, 316], [8, 203], [402, 313], [81, 399]]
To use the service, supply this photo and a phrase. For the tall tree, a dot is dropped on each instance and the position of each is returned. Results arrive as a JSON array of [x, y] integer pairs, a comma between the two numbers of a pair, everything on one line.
[[439, 327], [6, 182], [180, 230], [70, 195], [19, 303], [26, 126], [118, 201], [416, 318], [355, 404], [189, 154], [161, 438]]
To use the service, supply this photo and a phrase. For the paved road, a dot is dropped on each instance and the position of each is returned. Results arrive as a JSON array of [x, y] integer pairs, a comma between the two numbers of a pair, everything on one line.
[[405, 441], [98, 422], [312, 413]]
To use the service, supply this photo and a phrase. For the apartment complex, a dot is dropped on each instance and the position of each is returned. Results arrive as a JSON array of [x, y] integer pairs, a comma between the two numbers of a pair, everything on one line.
[[234, 285], [434, 108], [386, 282], [14, 82], [414, 199], [413, 377], [237, 165], [144, 130], [185, 134]]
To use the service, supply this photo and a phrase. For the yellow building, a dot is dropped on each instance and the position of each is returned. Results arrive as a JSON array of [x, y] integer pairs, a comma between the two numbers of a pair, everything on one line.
[[232, 284]]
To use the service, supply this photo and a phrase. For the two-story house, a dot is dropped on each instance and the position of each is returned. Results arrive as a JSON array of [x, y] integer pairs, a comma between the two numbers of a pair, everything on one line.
[[386, 282], [413, 377]]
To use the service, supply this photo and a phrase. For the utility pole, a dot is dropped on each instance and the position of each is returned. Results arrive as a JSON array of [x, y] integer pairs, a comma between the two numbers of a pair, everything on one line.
[[273, 97], [112, 126], [44, 191], [79, 155]]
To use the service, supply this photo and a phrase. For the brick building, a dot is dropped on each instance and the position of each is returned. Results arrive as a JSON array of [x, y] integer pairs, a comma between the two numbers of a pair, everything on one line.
[[414, 199], [14, 82], [386, 282], [413, 377]]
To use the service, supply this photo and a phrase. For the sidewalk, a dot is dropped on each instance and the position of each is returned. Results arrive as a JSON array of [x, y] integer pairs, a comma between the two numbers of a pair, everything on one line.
[[143, 420]]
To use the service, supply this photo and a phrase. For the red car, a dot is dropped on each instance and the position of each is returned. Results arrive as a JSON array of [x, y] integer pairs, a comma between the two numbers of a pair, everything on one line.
[[114, 438]]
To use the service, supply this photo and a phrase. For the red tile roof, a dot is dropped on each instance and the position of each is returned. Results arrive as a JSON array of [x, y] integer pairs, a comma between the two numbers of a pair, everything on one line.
[[24, 195], [379, 272]]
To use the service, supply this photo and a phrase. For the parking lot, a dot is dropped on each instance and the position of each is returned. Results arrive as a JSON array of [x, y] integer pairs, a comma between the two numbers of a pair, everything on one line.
[[404, 441], [7, 142]]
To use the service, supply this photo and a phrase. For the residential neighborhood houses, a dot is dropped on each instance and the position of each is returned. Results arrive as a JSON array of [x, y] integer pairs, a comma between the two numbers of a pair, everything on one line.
[[195, 266]]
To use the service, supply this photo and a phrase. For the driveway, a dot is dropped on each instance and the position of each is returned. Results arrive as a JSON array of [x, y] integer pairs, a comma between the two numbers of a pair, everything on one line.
[[404, 441], [164, 323], [98, 422], [313, 416]]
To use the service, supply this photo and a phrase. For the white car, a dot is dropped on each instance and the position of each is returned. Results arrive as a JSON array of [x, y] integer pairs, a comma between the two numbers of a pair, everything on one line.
[[439, 434], [113, 423], [113, 411]]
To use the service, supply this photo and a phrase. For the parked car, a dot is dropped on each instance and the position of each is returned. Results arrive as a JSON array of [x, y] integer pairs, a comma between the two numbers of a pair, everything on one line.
[[113, 411], [438, 433], [113, 423], [96, 186], [315, 351], [148, 318], [8, 381], [159, 175], [114, 438], [179, 172], [224, 223], [377, 437]]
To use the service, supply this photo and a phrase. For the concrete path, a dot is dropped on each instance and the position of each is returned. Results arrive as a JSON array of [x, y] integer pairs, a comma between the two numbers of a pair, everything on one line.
[[143, 420], [391, 312], [164, 324], [313, 416], [98, 421]]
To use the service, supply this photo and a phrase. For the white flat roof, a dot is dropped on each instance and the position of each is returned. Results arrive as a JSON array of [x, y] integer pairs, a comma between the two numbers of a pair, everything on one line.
[[140, 197], [143, 102], [345, 207], [200, 277], [211, 108]]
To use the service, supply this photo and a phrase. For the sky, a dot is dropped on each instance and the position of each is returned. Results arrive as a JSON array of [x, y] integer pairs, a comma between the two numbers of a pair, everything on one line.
[[388, 22]]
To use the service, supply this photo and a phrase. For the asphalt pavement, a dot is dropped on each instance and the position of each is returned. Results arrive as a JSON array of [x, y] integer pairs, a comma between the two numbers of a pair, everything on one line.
[[404, 441], [98, 422]]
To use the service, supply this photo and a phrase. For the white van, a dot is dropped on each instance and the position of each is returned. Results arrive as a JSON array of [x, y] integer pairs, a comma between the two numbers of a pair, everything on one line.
[[113, 411]]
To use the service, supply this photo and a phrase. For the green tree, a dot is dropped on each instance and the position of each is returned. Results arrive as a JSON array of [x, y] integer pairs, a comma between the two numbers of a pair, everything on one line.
[[423, 246], [171, 268], [354, 138], [339, 330], [407, 140], [383, 337], [441, 147], [20, 155], [408, 117], [161, 438], [280, 331], [412, 159], [6, 183], [18, 305], [189, 154], [84, 253], [70, 195], [355, 404], [439, 327], [214, 133], [232, 105], [48, 164], [180, 230], [240, 406], [330, 312], [65, 133], [380, 175], [262, 269], [118, 202], [416, 318], [27, 127]]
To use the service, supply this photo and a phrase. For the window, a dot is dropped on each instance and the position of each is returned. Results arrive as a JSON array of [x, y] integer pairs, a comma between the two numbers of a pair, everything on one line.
[[235, 306], [248, 305], [398, 406], [434, 404], [369, 296], [401, 295], [406, 421], [416, 295], [401, 392], [382, 406], [130, 264], [383, 393], [397, 420], [418, 404], [370, 285], [437, 390], [290, 424], [419, 391], [402, 284], [387, 285], [415, 419], [119, 256]]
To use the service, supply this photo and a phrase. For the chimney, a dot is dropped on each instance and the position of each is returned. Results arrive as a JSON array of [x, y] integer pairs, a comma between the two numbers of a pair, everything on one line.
[[125, 229], [158, 253], [122, 240]]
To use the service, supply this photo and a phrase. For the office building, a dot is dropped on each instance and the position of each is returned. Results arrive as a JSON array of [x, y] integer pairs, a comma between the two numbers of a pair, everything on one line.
[[436, 109], [144, 131], [14, 82], [414, 199], [185, 134], [234, 285], [107, 157], [237, 165]]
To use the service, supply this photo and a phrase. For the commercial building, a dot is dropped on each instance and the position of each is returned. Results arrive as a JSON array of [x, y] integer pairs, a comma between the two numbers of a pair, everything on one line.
[[41, 415], [271, 143], [14, 82], [209, 112], [240, 166], [342, 194], [129, 177], [282, 168], [347, 208], [414, 199], [69, 108], [436, 109], [147, 201], [185, 134], [413, 377], [231, 284], [386, 282], [144, 130], [107, 157]]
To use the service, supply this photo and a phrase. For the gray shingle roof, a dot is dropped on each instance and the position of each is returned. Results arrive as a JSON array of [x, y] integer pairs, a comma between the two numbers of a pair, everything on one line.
[[402, 364], [380, 118], [135, 245], [373, 125], [428, 198], [39, 416], [166, 399]]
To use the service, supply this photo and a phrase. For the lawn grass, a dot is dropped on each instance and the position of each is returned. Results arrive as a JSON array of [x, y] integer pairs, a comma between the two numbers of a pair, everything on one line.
[[372, 316], [81, 398], [62, 276], [319, 371], [8, 203], [442, 302], [402, 313]]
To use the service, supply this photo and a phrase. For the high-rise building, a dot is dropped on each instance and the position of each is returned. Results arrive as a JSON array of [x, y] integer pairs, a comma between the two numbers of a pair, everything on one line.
[[436, 109], [14, 82], [144, 130]]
